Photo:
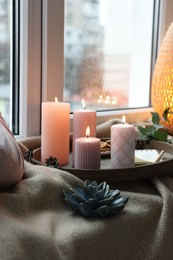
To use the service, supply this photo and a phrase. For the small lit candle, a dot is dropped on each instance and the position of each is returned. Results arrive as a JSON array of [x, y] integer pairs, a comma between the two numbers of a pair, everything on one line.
[[81, 119], [55, 131], [122, 145], [87, 152]]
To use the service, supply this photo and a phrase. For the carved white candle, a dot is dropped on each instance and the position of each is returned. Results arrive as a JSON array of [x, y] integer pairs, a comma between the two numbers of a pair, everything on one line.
[[122, 145], [87, 152]]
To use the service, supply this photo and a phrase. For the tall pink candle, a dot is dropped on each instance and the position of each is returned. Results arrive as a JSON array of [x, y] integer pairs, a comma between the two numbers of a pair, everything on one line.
[[55, 131], [87, 153], [122, 145], [81, 119]]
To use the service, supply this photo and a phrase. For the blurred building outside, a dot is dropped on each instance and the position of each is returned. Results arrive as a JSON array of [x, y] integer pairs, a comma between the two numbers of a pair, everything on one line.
[[107, 53]]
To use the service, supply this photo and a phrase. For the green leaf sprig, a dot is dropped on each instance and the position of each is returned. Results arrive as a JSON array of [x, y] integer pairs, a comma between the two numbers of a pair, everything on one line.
[[156, 131]]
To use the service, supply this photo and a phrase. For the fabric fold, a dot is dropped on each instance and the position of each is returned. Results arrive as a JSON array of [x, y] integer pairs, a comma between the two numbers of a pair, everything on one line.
[[36, 223]]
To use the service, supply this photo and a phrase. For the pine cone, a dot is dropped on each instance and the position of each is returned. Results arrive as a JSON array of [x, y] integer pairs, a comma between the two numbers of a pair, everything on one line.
[[52, 162], [140, 143], [93, 200]]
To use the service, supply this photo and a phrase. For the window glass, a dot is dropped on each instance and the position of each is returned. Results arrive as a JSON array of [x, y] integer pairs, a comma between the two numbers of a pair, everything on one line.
[[108, 46], [5, 58]]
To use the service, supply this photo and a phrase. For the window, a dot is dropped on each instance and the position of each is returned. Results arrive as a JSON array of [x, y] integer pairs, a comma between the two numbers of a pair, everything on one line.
[[108, 53], [42, 56]]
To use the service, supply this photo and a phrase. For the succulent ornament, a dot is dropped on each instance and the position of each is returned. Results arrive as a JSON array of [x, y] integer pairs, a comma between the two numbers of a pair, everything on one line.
[[93, 200]]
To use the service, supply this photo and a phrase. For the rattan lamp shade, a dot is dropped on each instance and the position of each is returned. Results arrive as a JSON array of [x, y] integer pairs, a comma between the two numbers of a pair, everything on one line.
[[162, 84]]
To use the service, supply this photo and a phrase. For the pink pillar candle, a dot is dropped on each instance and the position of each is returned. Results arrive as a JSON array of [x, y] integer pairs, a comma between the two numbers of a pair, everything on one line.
[[55, 131], [122, 145], [87, 153], [81, 119]]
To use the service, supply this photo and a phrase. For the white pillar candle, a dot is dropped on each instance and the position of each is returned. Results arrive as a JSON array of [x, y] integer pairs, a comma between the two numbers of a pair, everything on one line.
[[122, 145], [81, 119], [87, 152], [55, 131]]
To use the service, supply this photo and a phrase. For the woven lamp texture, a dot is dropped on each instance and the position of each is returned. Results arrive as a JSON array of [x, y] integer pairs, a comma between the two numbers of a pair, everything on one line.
[[162, 83]]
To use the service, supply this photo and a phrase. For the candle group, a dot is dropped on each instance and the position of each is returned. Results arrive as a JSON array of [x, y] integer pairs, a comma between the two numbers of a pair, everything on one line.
[[122, 145], [86, 147], [55, 131]]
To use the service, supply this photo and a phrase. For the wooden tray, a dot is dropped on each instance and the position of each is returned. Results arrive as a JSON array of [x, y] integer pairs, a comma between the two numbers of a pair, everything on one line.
[[128, 174], [112, 176]]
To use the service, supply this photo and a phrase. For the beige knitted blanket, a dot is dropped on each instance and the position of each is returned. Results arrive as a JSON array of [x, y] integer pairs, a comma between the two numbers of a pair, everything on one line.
[[35, 222]]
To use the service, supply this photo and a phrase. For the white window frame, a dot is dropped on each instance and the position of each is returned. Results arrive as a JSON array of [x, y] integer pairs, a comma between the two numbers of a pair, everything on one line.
[[30, 67], [42, 62]]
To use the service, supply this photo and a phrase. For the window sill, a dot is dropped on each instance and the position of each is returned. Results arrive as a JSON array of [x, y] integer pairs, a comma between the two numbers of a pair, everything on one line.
[[132, 115]]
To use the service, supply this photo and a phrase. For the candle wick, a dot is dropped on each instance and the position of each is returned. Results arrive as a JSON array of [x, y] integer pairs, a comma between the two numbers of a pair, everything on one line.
[[87, 136], [123, 123], [84, 107]]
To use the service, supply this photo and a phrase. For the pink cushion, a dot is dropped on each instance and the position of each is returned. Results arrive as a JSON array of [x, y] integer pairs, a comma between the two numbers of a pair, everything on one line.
[[11, 158]]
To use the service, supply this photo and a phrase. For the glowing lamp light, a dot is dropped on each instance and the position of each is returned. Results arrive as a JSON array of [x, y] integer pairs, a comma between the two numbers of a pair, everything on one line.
[[162, 83]]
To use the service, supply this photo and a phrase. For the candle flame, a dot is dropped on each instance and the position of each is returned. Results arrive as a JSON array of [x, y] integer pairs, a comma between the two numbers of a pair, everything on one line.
[[56, 100], [123, 119], [83, 104], [88, 132]]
